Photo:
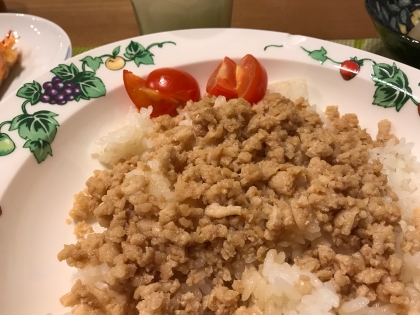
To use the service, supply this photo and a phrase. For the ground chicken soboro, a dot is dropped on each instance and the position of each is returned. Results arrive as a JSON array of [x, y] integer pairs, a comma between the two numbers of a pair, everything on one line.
[[243, 180]]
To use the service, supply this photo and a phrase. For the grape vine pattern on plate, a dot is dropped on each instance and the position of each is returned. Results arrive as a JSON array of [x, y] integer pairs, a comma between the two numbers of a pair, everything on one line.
[[69, 84], [392, 86]]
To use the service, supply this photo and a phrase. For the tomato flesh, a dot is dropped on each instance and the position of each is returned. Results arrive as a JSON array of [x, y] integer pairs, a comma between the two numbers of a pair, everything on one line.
[[174, 83], [247, 79], [223, 79], [251, 78], [142, 96]]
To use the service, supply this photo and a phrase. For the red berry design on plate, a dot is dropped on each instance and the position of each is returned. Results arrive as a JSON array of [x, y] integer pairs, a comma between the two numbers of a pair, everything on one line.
[[349, 69]]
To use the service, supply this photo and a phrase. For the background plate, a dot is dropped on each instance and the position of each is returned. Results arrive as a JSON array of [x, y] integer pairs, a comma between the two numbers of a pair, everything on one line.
[[41, 45]]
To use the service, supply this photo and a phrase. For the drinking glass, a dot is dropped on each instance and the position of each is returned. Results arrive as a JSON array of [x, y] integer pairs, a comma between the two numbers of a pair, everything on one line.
[[164, 15]]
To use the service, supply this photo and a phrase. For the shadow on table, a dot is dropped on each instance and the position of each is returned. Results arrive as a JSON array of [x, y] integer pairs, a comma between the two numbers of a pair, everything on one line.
[[383, 52], [16, 7]]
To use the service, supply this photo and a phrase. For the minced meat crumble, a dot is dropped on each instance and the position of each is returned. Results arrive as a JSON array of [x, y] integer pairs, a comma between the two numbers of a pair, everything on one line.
[[238, 181]]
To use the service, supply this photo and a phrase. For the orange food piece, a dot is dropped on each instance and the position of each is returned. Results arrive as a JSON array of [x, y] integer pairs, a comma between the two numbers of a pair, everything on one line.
[[8, 56]]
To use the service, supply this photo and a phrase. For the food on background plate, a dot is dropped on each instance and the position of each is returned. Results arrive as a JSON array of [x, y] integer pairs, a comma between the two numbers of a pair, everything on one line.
[[8, 56], [228, 208]]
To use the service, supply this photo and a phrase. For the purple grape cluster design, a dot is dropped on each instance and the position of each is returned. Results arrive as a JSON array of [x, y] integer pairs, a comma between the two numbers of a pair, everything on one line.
[[58, 92]]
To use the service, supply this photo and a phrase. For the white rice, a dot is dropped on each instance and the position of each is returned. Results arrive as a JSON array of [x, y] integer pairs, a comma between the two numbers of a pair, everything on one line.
[[219, 101], [403, 171], [93, 275], [274, 290], [129, 138], [291, 89]]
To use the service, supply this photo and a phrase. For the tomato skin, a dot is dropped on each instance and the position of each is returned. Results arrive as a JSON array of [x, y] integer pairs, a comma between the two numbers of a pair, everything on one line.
[[251, 79], [165, 89], [223, 79], [142, 96], [174, 83]]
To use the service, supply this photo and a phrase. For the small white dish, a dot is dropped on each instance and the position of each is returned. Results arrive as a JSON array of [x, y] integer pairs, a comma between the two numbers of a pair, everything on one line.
[[46, 149], [41, 45]]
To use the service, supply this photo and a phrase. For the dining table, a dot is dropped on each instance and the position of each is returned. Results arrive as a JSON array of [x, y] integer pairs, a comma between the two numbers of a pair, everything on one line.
[[36, 197], [92, 23]]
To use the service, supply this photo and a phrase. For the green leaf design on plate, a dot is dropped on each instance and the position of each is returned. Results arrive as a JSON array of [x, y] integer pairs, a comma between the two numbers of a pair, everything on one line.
[[393, 88], [81, 97], [65, 72], [40, 149], [388, 96], [92, 87], [39, 126], [82, 76], [116, 51], [319, 55], [31, 92], [134, 49], [383, 71], [93, 63], [146, 59]]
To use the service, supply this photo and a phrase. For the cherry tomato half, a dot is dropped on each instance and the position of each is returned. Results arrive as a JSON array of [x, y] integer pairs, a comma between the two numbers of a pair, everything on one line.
[[247, 80], [174, 83], [251, 79], [142, 96], [165, 89], [223, 80]]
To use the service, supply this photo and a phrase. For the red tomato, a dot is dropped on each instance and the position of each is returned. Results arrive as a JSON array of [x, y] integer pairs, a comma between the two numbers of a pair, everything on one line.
[[251, 79], [247, 80], [174, 83], [223, 80], [144, 97], [165, 89]]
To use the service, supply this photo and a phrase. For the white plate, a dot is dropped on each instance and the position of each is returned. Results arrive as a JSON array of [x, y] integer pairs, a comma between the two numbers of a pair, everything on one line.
[[35, 195], [41, 45]]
